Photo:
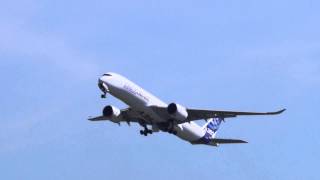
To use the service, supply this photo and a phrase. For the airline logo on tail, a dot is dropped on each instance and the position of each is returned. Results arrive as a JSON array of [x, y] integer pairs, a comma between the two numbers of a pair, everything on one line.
[[214, 124], [211, 129]]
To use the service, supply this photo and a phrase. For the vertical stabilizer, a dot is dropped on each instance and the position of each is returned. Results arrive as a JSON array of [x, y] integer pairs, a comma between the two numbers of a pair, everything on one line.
[[212, 126]]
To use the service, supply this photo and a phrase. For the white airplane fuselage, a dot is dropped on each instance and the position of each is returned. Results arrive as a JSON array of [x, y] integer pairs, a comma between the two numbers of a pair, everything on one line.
[[141, 100]]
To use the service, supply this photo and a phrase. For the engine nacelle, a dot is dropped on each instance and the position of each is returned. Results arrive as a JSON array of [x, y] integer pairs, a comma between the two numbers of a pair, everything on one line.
[[113, 113], [177, 111]]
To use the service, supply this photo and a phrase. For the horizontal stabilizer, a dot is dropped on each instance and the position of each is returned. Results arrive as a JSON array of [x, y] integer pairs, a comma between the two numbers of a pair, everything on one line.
[[227, 141], [217, 142]]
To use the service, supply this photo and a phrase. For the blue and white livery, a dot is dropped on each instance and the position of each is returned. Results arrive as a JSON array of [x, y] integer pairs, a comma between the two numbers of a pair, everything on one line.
[[155, 115]]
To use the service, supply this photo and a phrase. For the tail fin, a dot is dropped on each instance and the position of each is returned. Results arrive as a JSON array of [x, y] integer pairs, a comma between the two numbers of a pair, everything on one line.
[[212, 126]]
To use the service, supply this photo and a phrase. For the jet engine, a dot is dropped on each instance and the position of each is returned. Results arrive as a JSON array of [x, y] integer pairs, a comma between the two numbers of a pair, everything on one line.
[[113, 113], [177, 112]]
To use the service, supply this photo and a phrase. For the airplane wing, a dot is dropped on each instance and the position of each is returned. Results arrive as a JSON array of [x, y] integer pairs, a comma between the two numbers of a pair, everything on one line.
[[127, 115], [98, 118], [195, 114], [198, 114]]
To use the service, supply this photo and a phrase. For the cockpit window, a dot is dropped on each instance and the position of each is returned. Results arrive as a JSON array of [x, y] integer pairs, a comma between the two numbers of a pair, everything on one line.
[[107, 75]]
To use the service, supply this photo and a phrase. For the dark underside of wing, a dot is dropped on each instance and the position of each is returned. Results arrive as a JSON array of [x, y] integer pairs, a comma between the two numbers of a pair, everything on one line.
[[127, 115], [195, 114], [198, 114]]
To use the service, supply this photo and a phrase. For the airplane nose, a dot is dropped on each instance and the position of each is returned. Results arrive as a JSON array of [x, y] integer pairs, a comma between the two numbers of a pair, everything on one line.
[[102, 85], [101, 80], [104, 82]]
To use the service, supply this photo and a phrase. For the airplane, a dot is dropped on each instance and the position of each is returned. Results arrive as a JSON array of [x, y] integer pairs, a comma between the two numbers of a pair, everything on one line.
[[155, 115]]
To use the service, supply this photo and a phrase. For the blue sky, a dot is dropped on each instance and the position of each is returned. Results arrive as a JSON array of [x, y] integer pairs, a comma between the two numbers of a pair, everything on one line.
[[234, 55]]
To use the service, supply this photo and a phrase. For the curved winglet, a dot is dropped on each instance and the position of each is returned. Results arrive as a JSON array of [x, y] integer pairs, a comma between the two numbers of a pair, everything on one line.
[[277, 112]]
